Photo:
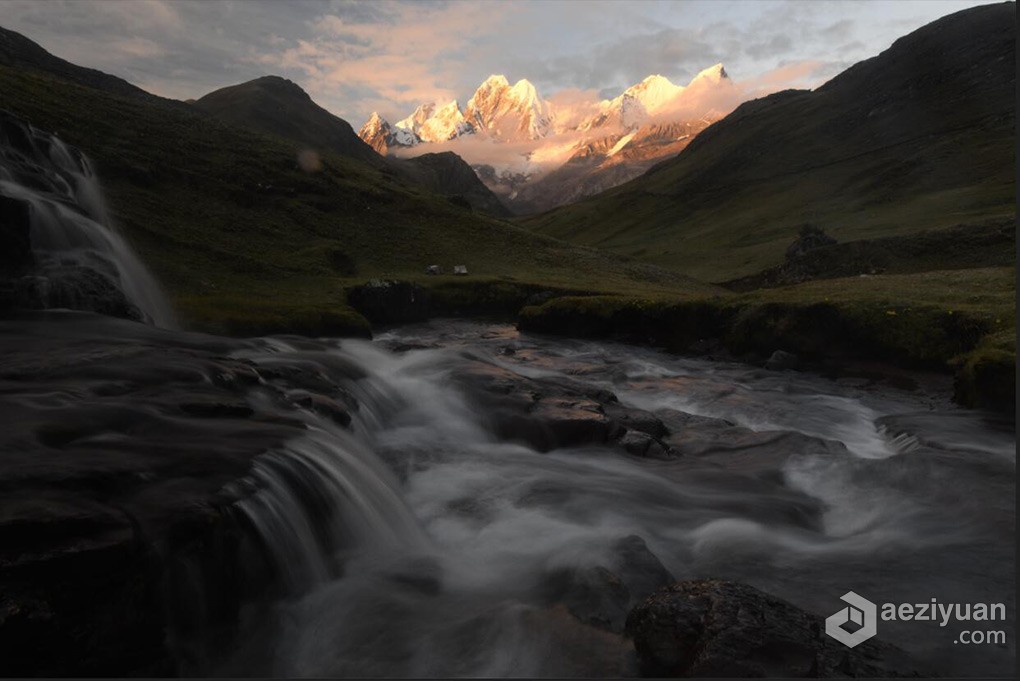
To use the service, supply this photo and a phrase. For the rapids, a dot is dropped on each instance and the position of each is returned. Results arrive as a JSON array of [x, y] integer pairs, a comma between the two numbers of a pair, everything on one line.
[[799, 485]]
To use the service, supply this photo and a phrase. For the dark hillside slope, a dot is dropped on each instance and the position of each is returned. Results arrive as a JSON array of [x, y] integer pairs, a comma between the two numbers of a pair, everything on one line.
[[277, 106], [17, 51], [919, 137]]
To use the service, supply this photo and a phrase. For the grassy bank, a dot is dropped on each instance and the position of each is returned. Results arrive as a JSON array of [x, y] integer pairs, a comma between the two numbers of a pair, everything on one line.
[[951, 321]]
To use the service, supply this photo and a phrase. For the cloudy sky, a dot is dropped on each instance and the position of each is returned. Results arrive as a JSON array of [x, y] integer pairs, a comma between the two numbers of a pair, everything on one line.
[[354, 57]]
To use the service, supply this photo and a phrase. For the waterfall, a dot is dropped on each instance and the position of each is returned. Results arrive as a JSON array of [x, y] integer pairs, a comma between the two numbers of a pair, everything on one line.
[[77, 260], [327, 492]]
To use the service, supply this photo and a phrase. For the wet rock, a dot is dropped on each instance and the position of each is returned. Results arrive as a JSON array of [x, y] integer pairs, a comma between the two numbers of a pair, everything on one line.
[[322, 405], [552, 412], [217, 410], [639, 568], [15, 245], [601, 596], [73, 287], [638, 420], [716, 628], [593, 595], [422, 575], [646, 446], [781, 360], [569, 422]]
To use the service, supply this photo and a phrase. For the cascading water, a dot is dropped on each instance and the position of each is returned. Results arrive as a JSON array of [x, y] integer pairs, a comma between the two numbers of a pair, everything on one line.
[[459, 565], [327, 491], [77, 260]]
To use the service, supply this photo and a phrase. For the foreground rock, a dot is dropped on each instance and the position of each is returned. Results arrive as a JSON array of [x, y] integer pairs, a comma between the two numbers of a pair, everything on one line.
[[551, 413], [717, 628], [601, 596], [121, 448]]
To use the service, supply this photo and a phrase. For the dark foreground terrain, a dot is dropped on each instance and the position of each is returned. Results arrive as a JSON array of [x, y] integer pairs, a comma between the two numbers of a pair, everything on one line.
[[461, 499]]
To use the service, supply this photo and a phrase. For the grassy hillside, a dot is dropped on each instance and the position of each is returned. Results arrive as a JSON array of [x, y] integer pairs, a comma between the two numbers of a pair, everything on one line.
[[277, 105], [919, 137], [245, 240]]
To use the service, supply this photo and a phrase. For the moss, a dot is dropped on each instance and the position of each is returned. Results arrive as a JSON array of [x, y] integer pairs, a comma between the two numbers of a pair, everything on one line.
[[254, 318], [986, 378], [975, 341]]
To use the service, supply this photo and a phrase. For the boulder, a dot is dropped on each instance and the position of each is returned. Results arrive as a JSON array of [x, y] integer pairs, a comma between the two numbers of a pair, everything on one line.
[[781, 360], [553, 412], [705, 628], [602, 595], [641, 444]]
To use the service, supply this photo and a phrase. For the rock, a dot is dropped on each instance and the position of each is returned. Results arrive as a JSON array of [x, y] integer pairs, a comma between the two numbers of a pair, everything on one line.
[[716, 628], [74, 287], [810, 238], [322, 405], [569, 422], [15, 244], [706, 346], [638, 419], [640, 569], [120, 548], [391, 302], [602, 596], [217, 410], [781, 361], [593, 595], [646, 446]]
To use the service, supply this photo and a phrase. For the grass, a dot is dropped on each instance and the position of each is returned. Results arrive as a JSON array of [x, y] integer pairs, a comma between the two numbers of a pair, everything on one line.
[[244, 241], [961, 321]]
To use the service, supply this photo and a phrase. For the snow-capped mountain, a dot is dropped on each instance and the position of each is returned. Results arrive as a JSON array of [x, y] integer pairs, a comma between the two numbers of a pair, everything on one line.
[[509, 113], [444, 124], [433, 123], [635, 104], [656, 97], [381, 136], [623, 137]]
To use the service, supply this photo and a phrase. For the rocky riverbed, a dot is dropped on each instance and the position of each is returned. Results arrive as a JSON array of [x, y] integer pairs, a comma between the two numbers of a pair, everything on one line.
[[459, 498]]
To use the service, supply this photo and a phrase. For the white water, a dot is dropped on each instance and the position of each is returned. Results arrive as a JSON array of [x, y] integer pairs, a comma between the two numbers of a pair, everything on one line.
[[441, 570], [70, 226]]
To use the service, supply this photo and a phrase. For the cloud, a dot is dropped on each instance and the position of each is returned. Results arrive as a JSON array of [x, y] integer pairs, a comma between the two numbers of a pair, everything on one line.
[[354, 57], [573, 105]]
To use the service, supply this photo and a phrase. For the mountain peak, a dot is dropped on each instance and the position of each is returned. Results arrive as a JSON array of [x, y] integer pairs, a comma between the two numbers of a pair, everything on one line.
[[495, 80], [277, 84], [714, 74], [523, 86]]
